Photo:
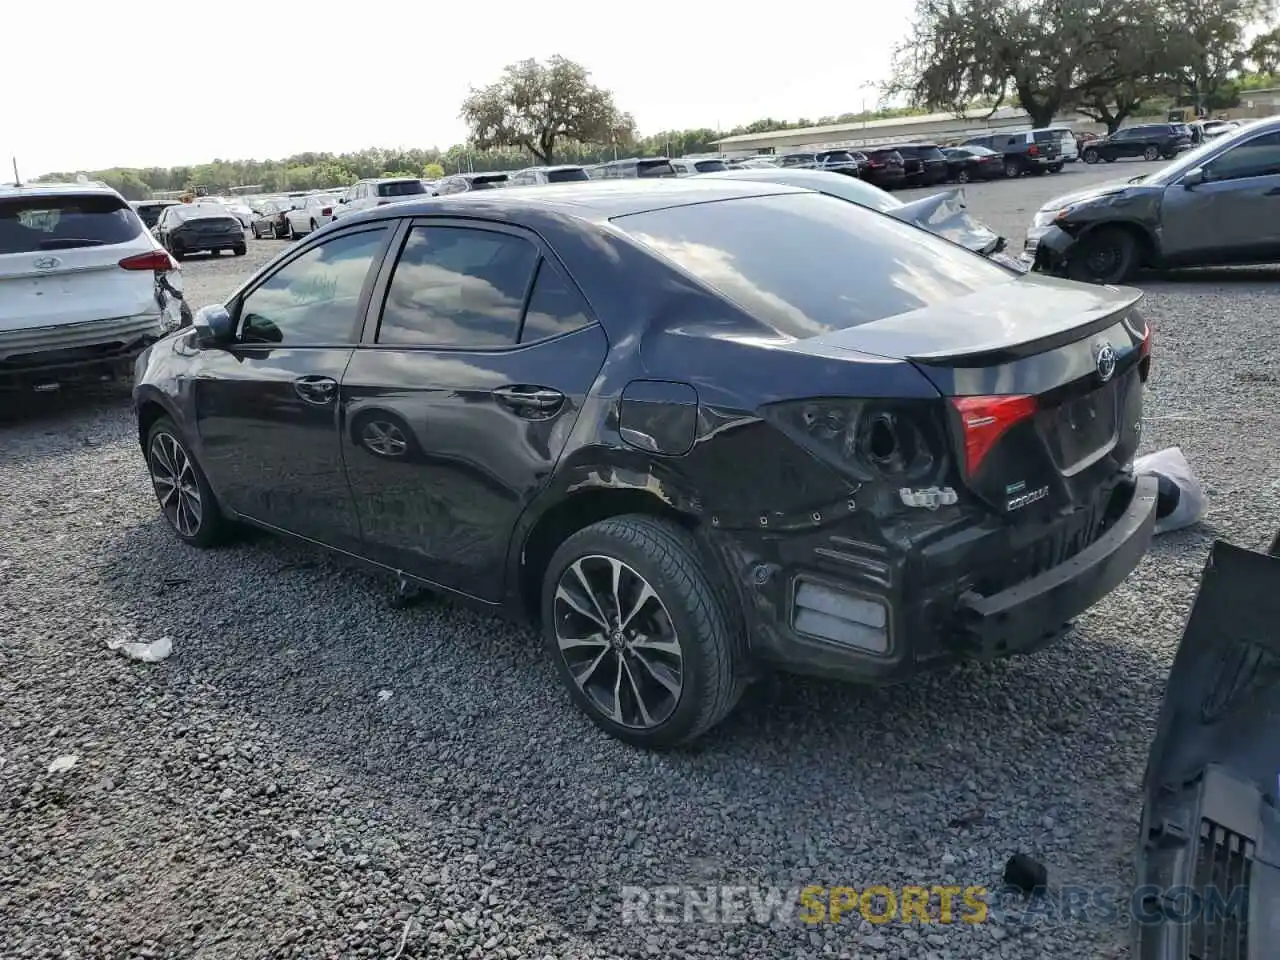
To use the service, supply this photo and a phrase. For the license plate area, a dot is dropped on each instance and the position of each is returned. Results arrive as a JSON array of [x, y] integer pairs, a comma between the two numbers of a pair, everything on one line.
[[1079, 431]]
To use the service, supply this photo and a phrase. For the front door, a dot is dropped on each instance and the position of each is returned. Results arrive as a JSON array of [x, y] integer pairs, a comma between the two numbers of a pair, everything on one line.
[[1234, 215], [458, 404], [267, 405]]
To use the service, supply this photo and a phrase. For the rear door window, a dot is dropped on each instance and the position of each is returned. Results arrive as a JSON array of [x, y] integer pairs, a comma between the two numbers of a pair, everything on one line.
[[808, 264], [710, 166], [555, 307], [32, 224], [457, 287]]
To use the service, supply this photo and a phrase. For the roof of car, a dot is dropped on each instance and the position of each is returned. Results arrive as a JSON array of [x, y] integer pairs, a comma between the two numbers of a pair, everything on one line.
[[95, 188], [595, 201]]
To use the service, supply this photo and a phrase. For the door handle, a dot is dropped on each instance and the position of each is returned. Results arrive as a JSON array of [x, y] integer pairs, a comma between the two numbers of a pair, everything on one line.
[[533, 402], [317, 390]]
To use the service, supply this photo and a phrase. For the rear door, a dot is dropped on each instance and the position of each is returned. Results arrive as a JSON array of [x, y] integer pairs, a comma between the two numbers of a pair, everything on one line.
[[60, 261], [266, 407], [477, 356]]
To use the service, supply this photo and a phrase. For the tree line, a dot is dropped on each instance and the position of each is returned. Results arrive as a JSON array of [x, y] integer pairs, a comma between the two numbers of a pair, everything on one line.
[[1107, 59]]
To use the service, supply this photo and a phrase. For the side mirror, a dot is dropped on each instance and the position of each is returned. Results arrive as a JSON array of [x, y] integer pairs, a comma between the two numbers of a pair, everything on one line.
[[1193, 177], [213, 325]]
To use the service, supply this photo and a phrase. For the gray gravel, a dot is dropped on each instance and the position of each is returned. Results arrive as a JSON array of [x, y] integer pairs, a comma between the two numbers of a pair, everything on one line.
[[257, 795]]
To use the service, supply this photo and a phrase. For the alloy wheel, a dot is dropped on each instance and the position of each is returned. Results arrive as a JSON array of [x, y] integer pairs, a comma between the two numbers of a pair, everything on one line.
[[618, 642], [384, 438], [174, 479]]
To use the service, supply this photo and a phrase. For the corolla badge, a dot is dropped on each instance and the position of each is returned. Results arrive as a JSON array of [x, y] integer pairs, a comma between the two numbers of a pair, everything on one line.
[[46, 263], [1104, 357]]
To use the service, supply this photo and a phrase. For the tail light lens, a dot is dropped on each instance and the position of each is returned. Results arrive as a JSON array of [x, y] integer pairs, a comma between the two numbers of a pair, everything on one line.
[[157, 261], [326, 212], [984, 420], [1033, 151]]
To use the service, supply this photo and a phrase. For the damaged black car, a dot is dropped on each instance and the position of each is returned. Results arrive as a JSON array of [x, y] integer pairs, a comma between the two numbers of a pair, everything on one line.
[[693, 428], [1213, 206]]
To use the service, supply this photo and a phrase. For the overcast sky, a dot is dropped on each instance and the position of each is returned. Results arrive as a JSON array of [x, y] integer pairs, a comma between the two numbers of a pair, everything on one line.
[[91, 85]]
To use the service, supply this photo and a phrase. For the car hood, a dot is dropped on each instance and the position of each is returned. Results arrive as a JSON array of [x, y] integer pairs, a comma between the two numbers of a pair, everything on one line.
[[946, 214], [1092, 193], [1210, 820]]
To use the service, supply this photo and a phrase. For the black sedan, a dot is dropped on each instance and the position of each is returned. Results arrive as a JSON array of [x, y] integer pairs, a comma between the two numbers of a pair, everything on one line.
[[270, 219], [1215, 205], [199, 227], [692, 428], [973, 163]]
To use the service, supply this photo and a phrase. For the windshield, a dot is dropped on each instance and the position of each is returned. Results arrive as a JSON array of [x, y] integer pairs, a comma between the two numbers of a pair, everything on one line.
[[567, 175], [808, 264], [37, 223], [401, 188]]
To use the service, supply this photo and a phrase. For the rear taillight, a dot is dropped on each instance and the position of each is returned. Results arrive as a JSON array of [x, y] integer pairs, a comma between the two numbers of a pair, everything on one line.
[[984, 420], [894, 443], [156, 260], [1033, 151], [326, 212]]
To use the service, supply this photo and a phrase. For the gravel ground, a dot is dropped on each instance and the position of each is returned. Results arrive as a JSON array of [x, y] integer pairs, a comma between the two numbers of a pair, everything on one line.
[[312, 773]]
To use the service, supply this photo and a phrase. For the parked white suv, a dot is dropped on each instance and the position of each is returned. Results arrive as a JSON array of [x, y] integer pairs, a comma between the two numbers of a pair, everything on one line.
[[374, 193], [84, 287]]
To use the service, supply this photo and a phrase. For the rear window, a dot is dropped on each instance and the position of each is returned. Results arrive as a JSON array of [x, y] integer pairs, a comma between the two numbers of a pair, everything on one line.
[[710, 166], [1047, 136], [808, 264], [882, 156], [931, 153], [401, 188], [29, 224], [654, 168], [838, 156], [567, 175]]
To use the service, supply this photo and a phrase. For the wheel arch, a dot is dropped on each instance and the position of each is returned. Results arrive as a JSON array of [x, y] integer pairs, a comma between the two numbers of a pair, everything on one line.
[[150, 409], [574, 512], [1148, 246]]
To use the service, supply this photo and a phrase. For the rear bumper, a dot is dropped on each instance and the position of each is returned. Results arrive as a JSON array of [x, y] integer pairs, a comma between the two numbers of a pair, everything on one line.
[[933, 612], [96, 350]]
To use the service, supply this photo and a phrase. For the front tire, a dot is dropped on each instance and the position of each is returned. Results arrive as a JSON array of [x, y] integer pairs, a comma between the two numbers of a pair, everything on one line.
[[239, 251], [962, 176], [1106, 255], [1091, 156], [314, 228], [643, 640], [186, 500]]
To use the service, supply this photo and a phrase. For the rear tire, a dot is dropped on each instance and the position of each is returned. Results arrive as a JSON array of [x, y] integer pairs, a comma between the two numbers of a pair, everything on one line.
[[254, 231], [962, 176], [239, 251], [288, 231], [1106, 255], [1055, 167], [314, 228], [671, 653], [1152, 152], [1012, 169], [186, 500]]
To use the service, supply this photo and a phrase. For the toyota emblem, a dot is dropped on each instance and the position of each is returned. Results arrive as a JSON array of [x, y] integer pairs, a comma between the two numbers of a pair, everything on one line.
[[1104, 356], [46, 263]]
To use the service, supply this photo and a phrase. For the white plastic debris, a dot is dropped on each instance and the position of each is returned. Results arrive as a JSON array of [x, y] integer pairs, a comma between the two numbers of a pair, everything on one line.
[[1182, 499], [144, 651], [64, 763], [384, 696]]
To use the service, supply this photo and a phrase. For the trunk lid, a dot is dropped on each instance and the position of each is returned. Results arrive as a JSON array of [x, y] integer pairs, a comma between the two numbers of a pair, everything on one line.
[[1209, 816], [1044, 385]]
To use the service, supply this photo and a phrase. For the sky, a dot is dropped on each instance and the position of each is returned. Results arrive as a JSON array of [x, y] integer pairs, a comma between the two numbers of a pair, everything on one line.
[[98, 85]]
